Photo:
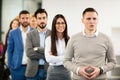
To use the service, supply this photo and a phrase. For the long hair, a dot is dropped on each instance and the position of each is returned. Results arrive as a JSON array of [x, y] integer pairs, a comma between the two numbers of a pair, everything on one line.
[[54, 37]]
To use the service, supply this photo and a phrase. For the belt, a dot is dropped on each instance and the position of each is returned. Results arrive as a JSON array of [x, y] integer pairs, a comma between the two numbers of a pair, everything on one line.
[[57, 65], [24, 65], [41, 66]]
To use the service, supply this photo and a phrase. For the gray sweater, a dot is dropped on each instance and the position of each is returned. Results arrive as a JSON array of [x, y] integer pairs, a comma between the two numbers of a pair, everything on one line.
[[84, 51]]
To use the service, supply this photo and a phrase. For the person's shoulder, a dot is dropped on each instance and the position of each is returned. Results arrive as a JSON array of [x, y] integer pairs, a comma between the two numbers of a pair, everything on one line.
[[48, 40], [32, 31], [31, 28], [14, 30], [76, 35], [48, 31], [103, 35]]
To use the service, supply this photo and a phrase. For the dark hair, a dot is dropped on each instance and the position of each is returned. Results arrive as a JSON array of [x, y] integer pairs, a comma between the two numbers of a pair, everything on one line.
[[23, 12], [54, 37], [40, 11], [89, 10]]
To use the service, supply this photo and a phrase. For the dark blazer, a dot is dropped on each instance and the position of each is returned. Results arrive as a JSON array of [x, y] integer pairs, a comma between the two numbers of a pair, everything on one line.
[[33, 40], [15, 48]]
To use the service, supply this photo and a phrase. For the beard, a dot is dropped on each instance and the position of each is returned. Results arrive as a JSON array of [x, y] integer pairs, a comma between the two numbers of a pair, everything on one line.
[[42, 25], [25, 24]]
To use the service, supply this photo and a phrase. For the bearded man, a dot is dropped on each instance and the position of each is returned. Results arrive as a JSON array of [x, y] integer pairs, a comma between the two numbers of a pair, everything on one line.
[[17, 59], [36, 67]]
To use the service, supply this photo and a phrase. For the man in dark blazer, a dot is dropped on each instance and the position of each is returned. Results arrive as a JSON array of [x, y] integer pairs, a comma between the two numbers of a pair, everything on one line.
[[17, 58], [35, 48]]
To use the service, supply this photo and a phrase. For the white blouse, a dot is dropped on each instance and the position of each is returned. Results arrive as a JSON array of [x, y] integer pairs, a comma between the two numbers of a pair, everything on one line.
[[60, 46]]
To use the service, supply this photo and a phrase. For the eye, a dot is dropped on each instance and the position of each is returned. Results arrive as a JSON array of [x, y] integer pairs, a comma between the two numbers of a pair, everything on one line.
[[39, 18], [94, 18], [88, 18], [91, 18], [58, 23], [43, 17]]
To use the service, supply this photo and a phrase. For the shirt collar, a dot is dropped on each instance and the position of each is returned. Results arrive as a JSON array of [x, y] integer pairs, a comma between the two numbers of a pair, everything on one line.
[[40, 31], [94, 35], [22, 29]]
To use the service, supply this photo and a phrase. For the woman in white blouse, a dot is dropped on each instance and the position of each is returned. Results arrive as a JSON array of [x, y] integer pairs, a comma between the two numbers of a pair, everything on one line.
[[55, 49]]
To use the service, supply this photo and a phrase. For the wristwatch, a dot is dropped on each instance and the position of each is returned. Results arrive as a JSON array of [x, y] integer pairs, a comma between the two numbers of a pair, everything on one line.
[[101, 70]]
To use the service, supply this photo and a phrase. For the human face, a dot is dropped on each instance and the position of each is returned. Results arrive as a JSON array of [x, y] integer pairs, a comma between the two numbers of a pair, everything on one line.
[[25, 20], [90, 21], [33, 22], [60, 25], [15, 24], [41, 20]]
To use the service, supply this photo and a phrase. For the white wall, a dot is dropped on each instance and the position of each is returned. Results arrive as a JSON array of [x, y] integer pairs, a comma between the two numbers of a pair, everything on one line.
[[109, 14], [116, 39], [10, 9]]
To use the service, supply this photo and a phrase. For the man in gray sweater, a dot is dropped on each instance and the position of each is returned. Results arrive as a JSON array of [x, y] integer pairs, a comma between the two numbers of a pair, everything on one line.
[[89, 54]]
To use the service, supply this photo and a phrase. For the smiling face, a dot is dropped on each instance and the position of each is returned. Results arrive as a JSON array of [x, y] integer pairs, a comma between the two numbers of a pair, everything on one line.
[[15, 24], [90, 21], [60, 25]]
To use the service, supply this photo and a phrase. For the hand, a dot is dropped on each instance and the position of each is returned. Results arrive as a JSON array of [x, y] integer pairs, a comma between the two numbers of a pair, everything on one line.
[[82, 72], [35, 48], [95, 73], [50, 52], [89, 72]]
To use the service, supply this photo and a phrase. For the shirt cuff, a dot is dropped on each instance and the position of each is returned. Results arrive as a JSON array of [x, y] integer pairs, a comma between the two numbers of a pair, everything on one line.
[[77, 71]]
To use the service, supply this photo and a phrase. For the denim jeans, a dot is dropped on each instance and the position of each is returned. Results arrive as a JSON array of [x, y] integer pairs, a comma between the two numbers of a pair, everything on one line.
[[41, 75], [18, 74]]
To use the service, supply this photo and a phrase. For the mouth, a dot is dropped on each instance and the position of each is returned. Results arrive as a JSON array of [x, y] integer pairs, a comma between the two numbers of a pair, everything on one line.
[[42, 23], [91, 25], [61, 29]]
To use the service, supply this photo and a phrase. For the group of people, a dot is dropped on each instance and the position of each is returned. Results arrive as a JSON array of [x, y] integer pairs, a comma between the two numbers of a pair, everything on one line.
[[42, 54]]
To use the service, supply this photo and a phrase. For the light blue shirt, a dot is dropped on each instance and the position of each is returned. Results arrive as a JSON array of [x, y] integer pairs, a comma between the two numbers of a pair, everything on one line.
[[42, 43]]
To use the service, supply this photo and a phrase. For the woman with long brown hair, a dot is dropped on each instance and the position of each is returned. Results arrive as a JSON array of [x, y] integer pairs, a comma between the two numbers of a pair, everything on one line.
[[55, 49]]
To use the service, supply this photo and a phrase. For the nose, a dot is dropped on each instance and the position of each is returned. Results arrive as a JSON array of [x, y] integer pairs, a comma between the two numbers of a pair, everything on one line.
[[92, 20], [61, 24], [42, 20], [25, 20]]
